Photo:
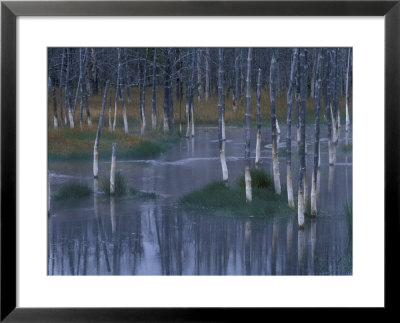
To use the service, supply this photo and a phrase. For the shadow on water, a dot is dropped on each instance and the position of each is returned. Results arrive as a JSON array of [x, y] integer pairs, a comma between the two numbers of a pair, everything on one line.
[[100, 235]]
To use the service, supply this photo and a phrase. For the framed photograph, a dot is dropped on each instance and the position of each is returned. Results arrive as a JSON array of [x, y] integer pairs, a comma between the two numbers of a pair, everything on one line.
[[181, 160]]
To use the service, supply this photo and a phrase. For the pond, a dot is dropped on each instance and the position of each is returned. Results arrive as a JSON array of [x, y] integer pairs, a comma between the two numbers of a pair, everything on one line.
[[154, 236]]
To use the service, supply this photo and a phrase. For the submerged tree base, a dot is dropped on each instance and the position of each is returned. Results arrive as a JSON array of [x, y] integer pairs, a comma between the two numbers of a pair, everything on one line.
[[221, 199]]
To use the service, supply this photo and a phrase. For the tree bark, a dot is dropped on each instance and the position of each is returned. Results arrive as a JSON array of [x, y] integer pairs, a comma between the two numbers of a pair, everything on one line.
[[98, 134], [166, 90], [192, 93], [113, 166], [199, 86], [207, 89], [275, 160], [154, 93], [221, 103], [289, 100], [143, 96], [121, 91], [258, 142], [62, 118], [303, 89], [247, 174], [314, 183], [347, 91], [68, 90]]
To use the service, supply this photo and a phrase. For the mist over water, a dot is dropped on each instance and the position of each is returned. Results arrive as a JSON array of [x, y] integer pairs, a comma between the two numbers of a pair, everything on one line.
[[99, 235]]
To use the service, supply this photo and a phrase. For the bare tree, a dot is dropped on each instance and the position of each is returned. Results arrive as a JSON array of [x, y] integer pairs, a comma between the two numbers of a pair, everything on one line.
[[275, 160], [221, 110], [258, 142], [98, 134], [154, 94], [347, 90], [289, 100], [247, 175], [314, 183], [303, 89]]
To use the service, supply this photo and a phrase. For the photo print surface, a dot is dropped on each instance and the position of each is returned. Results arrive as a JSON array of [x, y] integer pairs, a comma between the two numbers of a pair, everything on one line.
[[200, 161]]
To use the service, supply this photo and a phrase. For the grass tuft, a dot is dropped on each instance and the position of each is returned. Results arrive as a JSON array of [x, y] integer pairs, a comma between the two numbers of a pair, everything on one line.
[[221, 199], [73, 190], [120, 185], [259, 179]]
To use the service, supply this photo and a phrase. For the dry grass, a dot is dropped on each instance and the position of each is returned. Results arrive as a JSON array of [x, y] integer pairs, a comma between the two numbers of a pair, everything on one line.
[[205, 111], [66, 143]]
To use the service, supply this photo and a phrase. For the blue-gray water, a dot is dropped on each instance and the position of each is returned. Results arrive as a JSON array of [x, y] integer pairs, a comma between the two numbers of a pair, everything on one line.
[[122, 236]]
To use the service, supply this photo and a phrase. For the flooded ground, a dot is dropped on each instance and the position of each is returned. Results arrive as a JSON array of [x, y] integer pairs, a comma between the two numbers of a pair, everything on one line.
[[125, 236]]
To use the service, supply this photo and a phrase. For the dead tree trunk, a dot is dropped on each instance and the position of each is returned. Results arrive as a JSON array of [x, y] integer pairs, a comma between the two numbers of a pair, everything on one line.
[[258, 142], [167, 83], [154, 93], [98, 134], [143, 96], [289, 100], [314, 183], [199, 85], [121, 91], [275, 160], [303, 89], [68, 90], [192, 93], [207, 88], [347, 91], [62, 118], [113, 166], [221, 103], [247, 174]]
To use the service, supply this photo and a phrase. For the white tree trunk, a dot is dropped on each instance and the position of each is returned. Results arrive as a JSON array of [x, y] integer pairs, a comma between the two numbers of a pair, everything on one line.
[[275, 166], [247, 175], [187, 119], [223, 126], [166, 126], [332, 152], [258, 147], [113, 166], [313, 195], [223, 163], [98, 134], [278, 130], [300, 208], [290, 187], [274, 123], [192, 117], [247, 179], [71, 118]]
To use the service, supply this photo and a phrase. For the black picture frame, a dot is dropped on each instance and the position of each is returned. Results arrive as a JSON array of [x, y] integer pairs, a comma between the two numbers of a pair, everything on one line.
[[10, 10]]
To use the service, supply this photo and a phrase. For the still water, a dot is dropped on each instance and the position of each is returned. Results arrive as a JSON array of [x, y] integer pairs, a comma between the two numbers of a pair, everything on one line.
[[124, 236]]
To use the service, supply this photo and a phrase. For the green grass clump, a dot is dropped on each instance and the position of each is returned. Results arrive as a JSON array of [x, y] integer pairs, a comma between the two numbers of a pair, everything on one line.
[[221, 199], [120, 185], [259, 179], [73, 190], [142, 194]]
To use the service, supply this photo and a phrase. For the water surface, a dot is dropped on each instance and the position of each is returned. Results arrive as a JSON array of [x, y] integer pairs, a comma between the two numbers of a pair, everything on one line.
[[125, 236]]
